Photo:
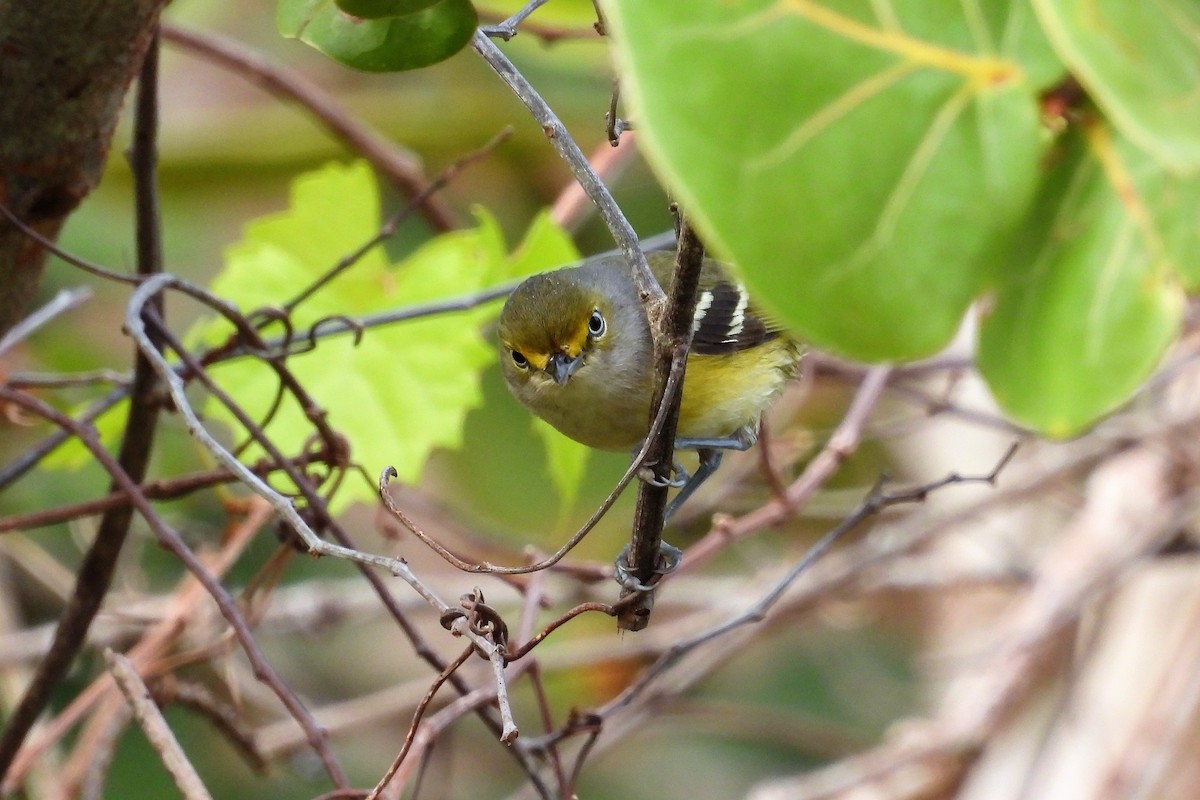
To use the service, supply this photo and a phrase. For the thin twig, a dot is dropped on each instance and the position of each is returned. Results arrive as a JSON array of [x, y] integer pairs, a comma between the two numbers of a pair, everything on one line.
[[593, 733], [392, 224], [401, 167], [508, 28], [67, 380], [17, 468], [75, 261], [63, 301], [604, 608], [418, 713], [550, 34], [651, 293], [167, 489], [186, 779], [876, 501], [173, 542], [510, 733]]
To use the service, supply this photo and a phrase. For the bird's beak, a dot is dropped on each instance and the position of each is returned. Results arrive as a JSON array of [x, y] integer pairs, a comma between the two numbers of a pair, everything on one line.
[[562, 366]]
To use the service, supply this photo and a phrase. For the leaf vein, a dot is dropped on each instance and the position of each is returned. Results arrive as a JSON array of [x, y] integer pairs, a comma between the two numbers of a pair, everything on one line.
[[983, 70], [842, 105]]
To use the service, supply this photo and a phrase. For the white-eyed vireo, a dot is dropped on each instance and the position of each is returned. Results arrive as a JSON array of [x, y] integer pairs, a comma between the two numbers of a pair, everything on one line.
[[576, 350]]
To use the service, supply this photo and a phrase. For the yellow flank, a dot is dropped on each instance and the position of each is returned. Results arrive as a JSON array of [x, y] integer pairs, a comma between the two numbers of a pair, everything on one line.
[[722, 393]]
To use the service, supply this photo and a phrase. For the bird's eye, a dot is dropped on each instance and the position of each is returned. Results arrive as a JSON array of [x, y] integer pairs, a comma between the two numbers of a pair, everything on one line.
[[596, 324], [520, 360]]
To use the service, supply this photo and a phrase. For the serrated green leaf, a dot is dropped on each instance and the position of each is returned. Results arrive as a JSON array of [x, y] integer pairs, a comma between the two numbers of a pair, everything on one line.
[[390, 44], [406, 388], [861, 162], [566, 461], [1092, 298], [1141, 63]]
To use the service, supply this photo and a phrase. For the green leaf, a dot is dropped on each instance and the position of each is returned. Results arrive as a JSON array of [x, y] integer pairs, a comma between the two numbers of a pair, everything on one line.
[[1092, 298], [862, 162], [566, 461], [406, 388], [379, 9], [1140, 61], [391, 44]]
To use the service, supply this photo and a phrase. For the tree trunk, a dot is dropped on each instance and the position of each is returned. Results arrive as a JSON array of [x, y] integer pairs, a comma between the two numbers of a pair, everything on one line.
[[64, 69]]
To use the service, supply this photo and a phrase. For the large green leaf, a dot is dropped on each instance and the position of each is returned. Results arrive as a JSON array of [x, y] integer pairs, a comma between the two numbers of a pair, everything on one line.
[[388, 44], [1093, 297], [1141, 63], [406, 388], [862, 162]]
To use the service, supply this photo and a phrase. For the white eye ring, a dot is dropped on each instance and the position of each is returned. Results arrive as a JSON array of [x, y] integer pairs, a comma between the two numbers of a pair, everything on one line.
[[519, 359], [596, 324]]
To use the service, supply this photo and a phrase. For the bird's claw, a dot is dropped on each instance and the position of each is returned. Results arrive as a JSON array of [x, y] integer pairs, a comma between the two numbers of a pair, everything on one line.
[[669, 559], [675, 479]]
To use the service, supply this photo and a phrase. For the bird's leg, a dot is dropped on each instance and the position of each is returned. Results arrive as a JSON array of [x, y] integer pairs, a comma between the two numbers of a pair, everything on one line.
[[669, 557], [710, 452], [710, 459], [742, 439]]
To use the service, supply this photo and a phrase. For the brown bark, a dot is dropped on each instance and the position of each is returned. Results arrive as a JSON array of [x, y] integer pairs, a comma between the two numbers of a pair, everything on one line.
[[64, 70]]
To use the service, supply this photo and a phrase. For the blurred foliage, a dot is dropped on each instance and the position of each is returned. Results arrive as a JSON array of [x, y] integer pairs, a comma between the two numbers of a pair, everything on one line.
[[380, 38]]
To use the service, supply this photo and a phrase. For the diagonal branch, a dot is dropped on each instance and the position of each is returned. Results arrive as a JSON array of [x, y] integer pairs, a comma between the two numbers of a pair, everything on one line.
[[171, 539], [400, 167], [560, 140]]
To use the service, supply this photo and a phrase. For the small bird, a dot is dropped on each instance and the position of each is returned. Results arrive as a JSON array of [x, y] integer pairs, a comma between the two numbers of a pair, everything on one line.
[[576, 350]]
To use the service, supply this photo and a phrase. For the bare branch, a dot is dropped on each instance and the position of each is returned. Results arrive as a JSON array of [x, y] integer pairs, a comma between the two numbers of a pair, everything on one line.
[[672, 332], [399, 166], [442, 677], [561, 141], [157, 731], [63, 301]]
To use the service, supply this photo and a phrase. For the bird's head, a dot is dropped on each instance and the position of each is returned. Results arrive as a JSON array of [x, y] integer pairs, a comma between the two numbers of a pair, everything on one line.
[[552, 326]]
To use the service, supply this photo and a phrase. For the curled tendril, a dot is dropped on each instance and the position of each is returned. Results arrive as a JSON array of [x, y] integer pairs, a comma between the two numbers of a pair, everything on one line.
[[482, 619], [260, 318]]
